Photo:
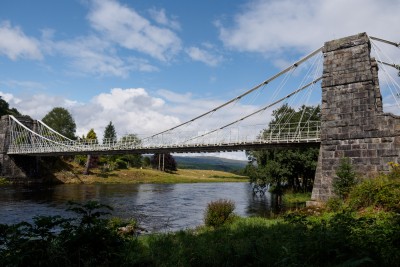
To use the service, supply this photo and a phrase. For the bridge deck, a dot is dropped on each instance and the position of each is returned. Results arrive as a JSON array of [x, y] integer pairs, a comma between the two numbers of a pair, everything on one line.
[[114, 150]]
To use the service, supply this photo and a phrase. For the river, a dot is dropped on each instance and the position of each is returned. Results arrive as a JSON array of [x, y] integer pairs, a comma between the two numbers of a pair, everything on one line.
[[157, 207]]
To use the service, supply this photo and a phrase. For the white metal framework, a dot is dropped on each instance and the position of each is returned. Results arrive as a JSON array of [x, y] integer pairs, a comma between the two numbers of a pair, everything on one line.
[[44, 140]]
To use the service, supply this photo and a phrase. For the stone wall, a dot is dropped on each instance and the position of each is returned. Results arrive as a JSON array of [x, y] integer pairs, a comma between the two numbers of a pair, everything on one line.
[[353, 123], [15, 167]]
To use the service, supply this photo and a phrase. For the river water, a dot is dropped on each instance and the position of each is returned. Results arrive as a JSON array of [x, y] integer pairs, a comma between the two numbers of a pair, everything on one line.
[[157, 207]]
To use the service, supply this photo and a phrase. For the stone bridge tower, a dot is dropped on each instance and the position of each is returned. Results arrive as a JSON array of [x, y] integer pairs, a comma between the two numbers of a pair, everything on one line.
[[353, 122], [17, 167]]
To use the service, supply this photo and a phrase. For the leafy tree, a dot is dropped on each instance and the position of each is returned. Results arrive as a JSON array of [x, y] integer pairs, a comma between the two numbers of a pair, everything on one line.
[[5, 109], [110, 135], [60, 120], [91, 135], [163, 162], [130, 139], [279, 168]]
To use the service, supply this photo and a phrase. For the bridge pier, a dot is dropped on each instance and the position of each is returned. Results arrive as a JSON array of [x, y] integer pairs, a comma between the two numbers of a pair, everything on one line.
[[353, 124], [15, 167]]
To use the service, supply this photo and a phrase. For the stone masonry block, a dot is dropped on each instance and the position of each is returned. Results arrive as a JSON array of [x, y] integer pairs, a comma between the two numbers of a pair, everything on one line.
[[354, 124]]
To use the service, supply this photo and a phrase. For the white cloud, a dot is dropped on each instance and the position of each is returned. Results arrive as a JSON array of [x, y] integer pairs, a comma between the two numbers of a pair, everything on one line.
[[124, 26], [289, 26], [15, 44], [92, 55], [134, 110], [198, 54], [10, 98], [161, 18]]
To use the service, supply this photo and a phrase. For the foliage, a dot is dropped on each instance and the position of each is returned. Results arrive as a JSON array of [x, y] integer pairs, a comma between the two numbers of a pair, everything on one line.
[[80, 159], [54, 241], [346, 178], [344, 238], [296, 198], [60, 120], [146, 162], [164, 162], [290, 168], [91, 135], [5, 109], [91, 161], [110, 135], [380, 192], [340, 240], [120, 164], [4, 181], [219, 212], [334, 204]]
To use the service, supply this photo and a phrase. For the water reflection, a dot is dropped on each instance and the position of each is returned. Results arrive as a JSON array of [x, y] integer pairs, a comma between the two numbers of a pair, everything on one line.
[[158, 207]]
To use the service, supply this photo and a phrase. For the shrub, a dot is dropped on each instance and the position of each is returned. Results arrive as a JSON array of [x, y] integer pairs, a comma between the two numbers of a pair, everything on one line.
[[379, 192], [334, 204], [80, 159], [346, 178], [219, 212], [121, 164]]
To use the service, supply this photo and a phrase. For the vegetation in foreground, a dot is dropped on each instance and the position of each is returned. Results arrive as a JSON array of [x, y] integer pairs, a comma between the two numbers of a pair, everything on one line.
[[360, 230]]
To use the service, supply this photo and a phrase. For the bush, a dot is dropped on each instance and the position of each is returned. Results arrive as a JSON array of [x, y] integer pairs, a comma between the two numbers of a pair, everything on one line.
[[345, 180], [334, 204], [379, 192], [121, 164], [80, 159], [219, 212]]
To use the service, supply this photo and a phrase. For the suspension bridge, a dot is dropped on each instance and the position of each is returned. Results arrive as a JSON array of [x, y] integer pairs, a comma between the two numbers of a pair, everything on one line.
[[352, 122]]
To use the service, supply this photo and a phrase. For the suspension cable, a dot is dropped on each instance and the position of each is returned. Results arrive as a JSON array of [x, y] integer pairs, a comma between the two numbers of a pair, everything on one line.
[[294, 65], [260, 110], [384, 41]]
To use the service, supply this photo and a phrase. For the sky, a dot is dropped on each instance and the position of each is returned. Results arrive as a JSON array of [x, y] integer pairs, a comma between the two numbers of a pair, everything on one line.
[[149, 65]]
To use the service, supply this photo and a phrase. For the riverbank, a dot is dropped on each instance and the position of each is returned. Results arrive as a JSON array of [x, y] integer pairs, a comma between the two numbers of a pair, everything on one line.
[[74, 175], [363, 230]]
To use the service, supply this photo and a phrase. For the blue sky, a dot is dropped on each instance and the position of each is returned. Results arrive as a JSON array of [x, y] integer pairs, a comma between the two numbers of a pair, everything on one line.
[[148, 65]]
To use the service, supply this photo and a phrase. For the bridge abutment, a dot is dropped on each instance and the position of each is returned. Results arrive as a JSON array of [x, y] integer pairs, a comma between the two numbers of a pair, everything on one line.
[[15, 167], [353, 124]]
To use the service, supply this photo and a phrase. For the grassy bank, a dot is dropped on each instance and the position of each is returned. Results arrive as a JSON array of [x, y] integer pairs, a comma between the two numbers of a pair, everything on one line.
[[361, 230], [345, 238], [73, 175]]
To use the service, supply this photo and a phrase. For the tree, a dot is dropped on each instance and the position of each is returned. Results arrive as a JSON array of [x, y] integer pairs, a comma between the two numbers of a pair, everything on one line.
[[91, 160], [163, 162], [92, 136], [60, 120], [110, 135], [292, 168], [5, 109], [346, 178]]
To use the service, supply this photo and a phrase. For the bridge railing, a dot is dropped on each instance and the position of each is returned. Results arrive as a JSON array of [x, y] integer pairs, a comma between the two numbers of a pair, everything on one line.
[[260, 134]]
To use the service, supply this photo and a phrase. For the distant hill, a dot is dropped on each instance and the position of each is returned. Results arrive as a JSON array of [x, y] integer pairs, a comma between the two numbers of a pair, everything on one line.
[[210, 163]]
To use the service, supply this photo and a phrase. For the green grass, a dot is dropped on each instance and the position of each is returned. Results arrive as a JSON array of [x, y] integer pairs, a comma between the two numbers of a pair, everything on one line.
[[132, 175], [4, 181], [296, 198]]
